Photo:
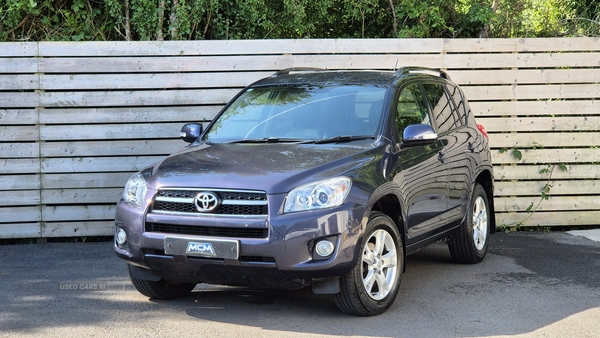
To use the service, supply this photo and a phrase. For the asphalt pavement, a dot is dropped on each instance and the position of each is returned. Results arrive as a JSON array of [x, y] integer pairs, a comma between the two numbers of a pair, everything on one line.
[[531, 284]]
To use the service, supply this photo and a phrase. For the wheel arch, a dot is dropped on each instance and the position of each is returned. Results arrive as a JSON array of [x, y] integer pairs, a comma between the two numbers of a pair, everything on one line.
[[486, 180], [390, 205]]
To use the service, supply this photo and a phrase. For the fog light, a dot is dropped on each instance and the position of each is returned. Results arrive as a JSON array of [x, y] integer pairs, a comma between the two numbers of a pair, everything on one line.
[[121, 237], [324, 248]]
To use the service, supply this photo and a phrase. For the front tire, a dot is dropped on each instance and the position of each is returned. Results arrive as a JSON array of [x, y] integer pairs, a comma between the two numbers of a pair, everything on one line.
[[160, 289], [469, 244], [372, 286]]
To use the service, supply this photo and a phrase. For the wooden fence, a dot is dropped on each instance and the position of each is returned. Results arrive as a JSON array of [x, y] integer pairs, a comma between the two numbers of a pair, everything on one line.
[[77, 119]]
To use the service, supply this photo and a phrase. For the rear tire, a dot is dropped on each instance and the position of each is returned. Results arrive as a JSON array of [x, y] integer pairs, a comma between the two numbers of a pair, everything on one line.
[[372, 286], [470, 243], [160, 289]]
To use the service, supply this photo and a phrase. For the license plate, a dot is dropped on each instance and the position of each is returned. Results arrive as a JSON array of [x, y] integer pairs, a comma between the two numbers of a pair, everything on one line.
[[202, 247]]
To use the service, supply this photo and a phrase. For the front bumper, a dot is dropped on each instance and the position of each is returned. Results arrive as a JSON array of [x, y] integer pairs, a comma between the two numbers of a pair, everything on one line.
[[284, 258]]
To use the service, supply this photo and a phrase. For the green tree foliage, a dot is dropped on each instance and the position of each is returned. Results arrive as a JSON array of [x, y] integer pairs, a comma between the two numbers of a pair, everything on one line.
[[51, 20], [584, 19], [87, 20]]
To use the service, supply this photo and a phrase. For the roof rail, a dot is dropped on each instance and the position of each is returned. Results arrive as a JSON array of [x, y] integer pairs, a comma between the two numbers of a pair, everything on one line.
[[297, 69], [424, 70]]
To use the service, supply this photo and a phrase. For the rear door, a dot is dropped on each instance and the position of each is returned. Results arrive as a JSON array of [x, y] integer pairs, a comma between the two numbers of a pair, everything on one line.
[[455, 136]]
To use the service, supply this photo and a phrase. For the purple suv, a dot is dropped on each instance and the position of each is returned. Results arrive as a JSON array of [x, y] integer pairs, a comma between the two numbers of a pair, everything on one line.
[[314, 178]]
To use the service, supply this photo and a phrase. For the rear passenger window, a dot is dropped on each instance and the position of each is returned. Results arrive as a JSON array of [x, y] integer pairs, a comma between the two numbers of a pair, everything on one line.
[[441, 106]]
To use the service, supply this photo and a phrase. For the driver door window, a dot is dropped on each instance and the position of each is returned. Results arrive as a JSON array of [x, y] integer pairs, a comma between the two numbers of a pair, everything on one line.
[[411, 108]]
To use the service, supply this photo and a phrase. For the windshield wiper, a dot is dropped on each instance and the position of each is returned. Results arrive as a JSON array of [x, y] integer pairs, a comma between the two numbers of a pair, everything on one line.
[[343, 138], [269, 140]]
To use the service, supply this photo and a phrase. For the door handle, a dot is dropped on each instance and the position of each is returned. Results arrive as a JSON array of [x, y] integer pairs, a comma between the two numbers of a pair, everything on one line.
[[470, 147], [441, 157]]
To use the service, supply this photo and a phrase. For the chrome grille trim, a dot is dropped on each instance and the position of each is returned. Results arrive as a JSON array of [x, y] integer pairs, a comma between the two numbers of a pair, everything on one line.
[[174, 199], [233, 203], [207, 215]]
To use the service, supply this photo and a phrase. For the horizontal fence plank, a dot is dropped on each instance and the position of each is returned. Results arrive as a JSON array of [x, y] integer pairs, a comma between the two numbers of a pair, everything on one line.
[[25, 214], [183, 114], [20, 197], [19, 182], [242, 79], [249, 47], [20, 165], [533, 172], [78, 212], [18, 116], [560, 218], [19, 100], [136, 98], [8, 150], [19, 133], [520, 60], [81, 196], [559, 188], [559, 203], [18, 65], [20, 49], [479, 45], [238, 63], [536, 156], [536, 108], [532, 92], [338, 60], [108, 148], [20, 230], [150, 81], [110, 132], [84, 180], [528, 76], [96, 164], [19, 82], [530, 140], [78, 229], [559, 44], [582, 123], [531, 45]]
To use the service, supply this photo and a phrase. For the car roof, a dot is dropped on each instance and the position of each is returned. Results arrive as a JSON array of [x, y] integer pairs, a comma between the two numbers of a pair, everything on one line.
[[301, 76]]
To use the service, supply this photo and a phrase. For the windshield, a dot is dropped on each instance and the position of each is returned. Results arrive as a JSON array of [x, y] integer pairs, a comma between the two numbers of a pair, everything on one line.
[[299, 113]]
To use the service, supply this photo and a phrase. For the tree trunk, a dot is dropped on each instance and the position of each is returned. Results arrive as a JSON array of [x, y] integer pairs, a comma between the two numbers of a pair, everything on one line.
[[161, 20], [484, 34], [127, 22], [208, 18], [174, 21], [395, 22], [362, 14]]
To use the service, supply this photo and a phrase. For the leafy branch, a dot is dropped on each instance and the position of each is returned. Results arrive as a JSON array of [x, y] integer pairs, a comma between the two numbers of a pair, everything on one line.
[[544, 193]]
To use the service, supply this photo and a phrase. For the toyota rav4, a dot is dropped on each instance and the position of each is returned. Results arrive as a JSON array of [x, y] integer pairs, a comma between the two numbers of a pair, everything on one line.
[[316, 178]]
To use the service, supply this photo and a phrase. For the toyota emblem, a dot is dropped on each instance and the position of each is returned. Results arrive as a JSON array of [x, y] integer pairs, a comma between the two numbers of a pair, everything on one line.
[[206, 201]]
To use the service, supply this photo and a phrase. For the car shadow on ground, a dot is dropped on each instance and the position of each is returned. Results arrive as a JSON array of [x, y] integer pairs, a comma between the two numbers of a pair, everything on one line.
[[511, 292]]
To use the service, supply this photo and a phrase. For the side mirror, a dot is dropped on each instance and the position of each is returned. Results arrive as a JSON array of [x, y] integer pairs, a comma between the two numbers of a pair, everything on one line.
[[190, 132], [419, 134]]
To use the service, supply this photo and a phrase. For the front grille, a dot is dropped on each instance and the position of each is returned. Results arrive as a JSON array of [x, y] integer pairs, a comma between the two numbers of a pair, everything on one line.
[[190, 208], [232, 202], [207, 231]]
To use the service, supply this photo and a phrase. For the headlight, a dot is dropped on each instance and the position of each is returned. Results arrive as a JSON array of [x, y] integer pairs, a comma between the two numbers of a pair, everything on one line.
[[135, 190], [318, 195]]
